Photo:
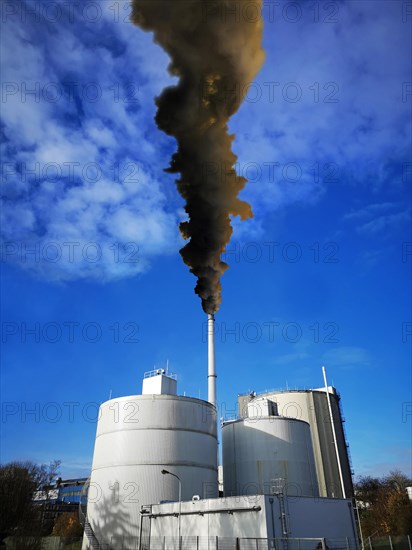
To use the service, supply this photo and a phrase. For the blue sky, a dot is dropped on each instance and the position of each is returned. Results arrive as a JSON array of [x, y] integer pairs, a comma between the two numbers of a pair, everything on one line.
[[94, 292]]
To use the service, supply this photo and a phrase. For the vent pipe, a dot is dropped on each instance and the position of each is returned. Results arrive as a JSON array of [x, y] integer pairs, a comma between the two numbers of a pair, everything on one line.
[[335, 441], [211, 367]]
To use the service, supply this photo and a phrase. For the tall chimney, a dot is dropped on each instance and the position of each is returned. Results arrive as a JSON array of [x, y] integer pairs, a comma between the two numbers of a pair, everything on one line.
[[211, 369]]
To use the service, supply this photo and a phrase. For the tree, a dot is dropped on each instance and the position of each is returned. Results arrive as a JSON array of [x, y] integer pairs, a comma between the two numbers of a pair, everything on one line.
[[384, 506], [45, 475], [68, 527], [19, 516]]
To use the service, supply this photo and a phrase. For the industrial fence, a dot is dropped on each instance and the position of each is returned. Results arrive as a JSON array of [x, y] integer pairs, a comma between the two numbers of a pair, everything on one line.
[[389, 543], [217, 543], [39, 543], [231, 543]]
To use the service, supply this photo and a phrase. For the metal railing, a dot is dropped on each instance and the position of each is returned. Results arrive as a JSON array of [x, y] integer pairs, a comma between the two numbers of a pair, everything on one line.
[[233, 543], [389, 542], [155, 372]]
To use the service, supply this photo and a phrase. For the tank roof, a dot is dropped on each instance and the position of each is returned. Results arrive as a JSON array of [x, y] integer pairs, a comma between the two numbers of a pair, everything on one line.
[[331, 389], [256, 420], [156, 397]]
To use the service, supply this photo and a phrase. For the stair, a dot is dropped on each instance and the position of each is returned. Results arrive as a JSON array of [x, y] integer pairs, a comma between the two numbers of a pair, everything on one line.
[[95, 544]]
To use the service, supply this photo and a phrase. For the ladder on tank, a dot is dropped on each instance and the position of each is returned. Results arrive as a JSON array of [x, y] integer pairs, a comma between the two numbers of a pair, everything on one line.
[[277, 490]]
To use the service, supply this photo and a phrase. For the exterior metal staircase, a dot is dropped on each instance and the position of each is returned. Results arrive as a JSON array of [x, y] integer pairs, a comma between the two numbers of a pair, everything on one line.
[[95, 544]]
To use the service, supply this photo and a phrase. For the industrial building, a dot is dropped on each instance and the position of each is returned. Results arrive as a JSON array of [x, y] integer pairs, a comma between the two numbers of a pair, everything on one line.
[[270, 483], [155, 484], [64, 495], [258, 522], [330, 448], [68, 491]]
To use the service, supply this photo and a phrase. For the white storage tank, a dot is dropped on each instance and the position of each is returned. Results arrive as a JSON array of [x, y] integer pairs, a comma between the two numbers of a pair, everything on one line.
[[266, 454], [312, 407], [137, 437]]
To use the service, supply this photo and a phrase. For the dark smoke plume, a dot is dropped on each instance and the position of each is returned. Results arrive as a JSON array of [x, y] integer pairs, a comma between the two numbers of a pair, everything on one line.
[[215, 50]]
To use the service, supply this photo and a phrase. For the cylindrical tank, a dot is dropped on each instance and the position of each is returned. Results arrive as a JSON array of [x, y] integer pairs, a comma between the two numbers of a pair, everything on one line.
[[267, 454], [138, 437], [312, 407]]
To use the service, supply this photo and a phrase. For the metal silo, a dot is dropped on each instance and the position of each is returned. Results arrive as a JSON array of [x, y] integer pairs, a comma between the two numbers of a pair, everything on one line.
[[312, 407], [137, 437], [263, 451]]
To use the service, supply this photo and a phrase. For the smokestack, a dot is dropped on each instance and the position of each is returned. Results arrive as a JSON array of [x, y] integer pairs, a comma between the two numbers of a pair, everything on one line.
[[211, 368]]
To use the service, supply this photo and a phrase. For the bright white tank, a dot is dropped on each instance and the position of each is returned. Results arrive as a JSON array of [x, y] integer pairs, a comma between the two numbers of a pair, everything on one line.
[[268, 453], [137, 437]]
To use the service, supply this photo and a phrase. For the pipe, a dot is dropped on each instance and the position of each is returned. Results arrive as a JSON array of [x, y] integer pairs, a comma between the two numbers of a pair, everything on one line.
[[207, 512], [335, 441], [211, 367], [273, 519]]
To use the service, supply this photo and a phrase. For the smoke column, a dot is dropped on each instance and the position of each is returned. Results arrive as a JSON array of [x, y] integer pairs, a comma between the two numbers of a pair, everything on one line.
[[215, 50]]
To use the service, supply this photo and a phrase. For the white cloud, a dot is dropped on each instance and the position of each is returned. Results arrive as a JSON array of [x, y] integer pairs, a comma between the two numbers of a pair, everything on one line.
[[380, 218], [357, 62], [347, 357], [385, 223], [63, 128], [395, 457], [80, 182], [370, 210]]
